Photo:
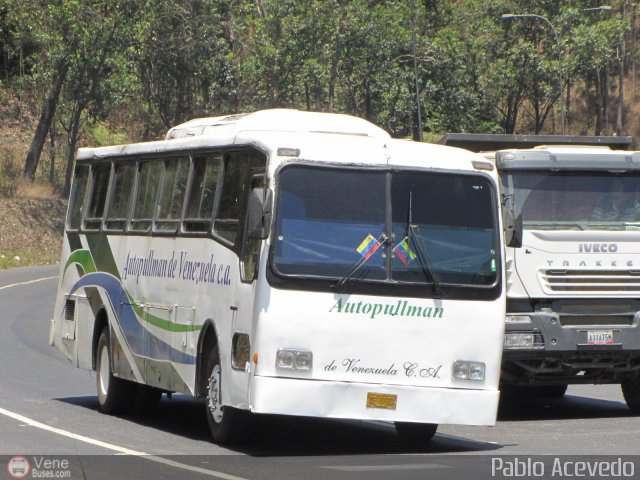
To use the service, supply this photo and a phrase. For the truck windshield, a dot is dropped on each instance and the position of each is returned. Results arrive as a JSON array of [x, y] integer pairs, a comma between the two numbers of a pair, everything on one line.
[[575, 200], [396, 227]]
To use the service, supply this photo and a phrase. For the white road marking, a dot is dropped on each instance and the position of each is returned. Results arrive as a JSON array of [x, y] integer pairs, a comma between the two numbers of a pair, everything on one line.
[[27, 283], [116, 448], [373, 468]]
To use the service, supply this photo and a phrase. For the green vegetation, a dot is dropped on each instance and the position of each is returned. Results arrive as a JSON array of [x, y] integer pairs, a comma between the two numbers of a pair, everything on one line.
[[92, 72], [8, 260]]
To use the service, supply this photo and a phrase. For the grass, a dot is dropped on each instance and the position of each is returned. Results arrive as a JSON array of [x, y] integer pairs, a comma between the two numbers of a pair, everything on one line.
[[25, 259]]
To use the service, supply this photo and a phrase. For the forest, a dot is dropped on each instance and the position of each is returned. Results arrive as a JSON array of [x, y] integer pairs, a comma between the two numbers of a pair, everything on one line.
[[97, 72]]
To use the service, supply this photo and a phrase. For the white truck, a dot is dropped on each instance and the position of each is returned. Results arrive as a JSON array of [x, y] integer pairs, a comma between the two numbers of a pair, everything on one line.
[[573, 264]]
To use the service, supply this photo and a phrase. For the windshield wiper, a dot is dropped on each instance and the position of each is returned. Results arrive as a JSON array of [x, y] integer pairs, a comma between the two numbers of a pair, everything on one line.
[[421, 253], [382, 240]]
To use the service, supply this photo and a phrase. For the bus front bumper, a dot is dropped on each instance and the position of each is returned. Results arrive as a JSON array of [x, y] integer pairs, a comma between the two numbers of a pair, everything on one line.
[[366, 401]]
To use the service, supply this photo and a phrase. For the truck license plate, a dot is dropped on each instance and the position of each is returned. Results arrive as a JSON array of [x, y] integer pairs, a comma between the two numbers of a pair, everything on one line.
[[381, 400], [599, 337]]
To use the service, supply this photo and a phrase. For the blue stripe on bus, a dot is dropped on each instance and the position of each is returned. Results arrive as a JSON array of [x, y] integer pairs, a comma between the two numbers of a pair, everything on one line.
[[133, 330]]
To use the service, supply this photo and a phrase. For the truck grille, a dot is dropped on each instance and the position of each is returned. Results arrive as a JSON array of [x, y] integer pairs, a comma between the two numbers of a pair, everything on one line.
[[588, 281]]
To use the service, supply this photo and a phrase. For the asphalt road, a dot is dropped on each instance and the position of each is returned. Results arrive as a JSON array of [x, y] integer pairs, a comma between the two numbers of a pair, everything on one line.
[[49, 416]]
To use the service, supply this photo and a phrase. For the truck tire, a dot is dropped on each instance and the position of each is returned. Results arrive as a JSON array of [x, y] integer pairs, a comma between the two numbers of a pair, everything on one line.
[[227, 425], [631, 393], [115, 395], [416, 433]]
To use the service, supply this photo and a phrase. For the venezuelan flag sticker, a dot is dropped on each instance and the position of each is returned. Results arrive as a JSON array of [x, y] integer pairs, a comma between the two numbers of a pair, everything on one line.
[[404, 253], [368, 246]]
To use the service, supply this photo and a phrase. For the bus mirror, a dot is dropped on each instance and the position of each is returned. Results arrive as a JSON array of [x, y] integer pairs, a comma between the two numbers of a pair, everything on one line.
[[259, 213], [512, 229]]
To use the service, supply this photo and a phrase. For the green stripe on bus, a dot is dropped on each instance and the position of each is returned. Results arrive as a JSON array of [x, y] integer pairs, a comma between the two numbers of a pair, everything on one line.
[[102, 255], [82, 258], [160, 322]]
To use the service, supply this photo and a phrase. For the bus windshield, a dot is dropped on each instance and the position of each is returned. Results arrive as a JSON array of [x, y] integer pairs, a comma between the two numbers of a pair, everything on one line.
[[575, 200], [400, 226]]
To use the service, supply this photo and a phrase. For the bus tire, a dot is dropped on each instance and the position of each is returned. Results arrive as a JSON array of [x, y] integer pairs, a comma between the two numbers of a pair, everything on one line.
[[551, 391], [631, 393], [227, 425], [115, 395], [416, 432]]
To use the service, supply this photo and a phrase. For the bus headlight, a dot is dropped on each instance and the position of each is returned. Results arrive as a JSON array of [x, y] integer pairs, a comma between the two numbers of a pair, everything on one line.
[[464, 370], [292, 359]]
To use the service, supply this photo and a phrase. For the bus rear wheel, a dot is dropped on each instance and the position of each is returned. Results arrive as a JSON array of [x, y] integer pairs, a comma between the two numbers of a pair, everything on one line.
[[416, 432], [631, 393], [115, 395], [226, 424]]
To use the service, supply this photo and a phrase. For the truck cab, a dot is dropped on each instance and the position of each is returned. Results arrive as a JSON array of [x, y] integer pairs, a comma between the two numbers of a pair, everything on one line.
[[572, 266]]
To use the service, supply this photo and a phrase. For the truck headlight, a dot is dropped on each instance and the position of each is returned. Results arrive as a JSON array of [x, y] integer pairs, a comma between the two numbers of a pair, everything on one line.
[[518, 340], [518, 319]]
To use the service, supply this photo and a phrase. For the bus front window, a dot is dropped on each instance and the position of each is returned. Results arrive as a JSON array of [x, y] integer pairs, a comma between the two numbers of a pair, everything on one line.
[[324, 216], [444, 229], [395, 227]]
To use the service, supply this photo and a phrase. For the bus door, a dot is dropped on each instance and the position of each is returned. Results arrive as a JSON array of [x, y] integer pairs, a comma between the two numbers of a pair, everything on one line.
[[243, 171]]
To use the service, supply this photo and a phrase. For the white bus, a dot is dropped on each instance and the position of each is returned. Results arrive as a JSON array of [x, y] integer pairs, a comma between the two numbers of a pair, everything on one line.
[[286, 262]]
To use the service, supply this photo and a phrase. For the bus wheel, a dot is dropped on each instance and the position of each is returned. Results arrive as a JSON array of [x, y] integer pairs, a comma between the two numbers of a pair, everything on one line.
[[226, 424], [550, 391], [631, 393], [114, 394], [416, 432]]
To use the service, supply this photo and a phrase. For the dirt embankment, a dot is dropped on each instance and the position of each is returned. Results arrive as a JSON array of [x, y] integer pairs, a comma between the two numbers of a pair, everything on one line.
[[31, 230]]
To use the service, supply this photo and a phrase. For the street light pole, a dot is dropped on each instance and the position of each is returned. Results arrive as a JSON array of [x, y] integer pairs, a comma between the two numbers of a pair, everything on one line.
[[602, 8], [417, 84], [415, 71], [555, 36]]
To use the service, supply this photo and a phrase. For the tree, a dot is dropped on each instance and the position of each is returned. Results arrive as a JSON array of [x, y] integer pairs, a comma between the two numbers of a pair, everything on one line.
[[84, 38]]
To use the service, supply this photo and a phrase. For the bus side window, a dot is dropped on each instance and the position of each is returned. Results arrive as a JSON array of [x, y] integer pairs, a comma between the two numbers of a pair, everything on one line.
[[99, 185], [172, 193], [204, 179], [80, 181], [121, 192], [148, 182]]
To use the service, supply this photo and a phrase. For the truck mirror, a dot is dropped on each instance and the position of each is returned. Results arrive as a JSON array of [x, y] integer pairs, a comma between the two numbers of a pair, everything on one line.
[[259, 213], [512, 229]]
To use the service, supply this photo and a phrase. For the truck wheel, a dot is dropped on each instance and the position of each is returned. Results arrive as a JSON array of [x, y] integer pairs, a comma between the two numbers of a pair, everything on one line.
[[416, 432], [114, 394], [631, 393], [226, 424]]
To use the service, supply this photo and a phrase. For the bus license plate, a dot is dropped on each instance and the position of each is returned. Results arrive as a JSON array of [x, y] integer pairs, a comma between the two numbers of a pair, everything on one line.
[[599, 337], [382, 400]]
